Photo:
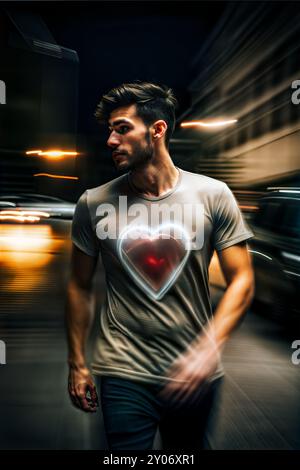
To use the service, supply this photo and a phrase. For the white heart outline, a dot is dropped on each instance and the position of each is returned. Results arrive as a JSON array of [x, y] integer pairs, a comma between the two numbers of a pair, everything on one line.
[[161, 292]]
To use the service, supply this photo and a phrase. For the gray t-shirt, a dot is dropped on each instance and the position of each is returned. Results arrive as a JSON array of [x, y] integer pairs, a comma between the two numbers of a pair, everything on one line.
[[156, 252]]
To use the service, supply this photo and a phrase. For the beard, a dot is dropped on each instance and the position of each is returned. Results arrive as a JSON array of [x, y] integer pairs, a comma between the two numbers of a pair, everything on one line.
[[141, 154]]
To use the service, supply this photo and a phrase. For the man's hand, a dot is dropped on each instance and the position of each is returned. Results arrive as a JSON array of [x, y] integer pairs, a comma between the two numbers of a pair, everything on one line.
[[191, 371], [82, 389]]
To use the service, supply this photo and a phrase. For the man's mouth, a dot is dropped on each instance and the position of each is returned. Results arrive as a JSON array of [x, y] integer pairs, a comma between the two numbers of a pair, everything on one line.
[[119, 157], [118, 154]]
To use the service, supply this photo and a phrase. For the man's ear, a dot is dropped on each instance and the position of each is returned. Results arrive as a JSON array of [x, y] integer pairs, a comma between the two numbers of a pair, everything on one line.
[[159, 129]]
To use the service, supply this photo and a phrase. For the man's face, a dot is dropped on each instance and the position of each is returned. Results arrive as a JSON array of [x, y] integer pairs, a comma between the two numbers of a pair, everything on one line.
[[129, 139]]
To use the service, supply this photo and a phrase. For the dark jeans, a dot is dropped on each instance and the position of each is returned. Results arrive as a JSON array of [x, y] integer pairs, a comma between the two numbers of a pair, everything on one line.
[[132, 412]]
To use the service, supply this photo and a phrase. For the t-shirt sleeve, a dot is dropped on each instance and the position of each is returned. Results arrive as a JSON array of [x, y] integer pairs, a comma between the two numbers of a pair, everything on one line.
[[229, 225], [82, 233]]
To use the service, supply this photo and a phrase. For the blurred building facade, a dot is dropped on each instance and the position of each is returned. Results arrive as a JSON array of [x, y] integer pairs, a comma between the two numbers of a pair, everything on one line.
[[244, 71], [41, 79]]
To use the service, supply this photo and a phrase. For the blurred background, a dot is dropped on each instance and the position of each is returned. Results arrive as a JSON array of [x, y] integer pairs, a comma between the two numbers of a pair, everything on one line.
[[232, 66]]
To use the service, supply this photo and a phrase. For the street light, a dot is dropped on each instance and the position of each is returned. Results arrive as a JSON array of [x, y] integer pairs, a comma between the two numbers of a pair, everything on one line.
[[53, 154], [209, 124]]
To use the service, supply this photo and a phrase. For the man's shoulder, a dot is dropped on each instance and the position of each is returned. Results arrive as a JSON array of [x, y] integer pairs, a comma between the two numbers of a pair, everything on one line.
[[103, 192], [204, 183]]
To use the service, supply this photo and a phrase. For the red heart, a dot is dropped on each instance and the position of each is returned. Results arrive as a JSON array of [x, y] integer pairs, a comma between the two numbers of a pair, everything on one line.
[[153, 260]]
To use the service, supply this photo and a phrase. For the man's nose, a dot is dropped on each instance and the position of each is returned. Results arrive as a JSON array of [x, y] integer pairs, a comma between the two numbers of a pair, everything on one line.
[[113, 140]]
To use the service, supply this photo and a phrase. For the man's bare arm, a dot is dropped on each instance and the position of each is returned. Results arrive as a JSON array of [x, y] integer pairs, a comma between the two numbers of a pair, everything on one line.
[[202, 357], [79, 318], [236, 266]]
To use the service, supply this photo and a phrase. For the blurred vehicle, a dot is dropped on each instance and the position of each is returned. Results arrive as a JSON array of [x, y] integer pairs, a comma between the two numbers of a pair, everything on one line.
[[57, 208], [276, 252], [7, 204]]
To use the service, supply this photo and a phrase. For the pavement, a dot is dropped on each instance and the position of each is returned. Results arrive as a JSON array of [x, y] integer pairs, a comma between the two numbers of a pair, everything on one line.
[[259, 406]]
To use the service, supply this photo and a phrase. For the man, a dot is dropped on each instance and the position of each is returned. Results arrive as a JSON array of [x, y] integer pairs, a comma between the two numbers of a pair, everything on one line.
[[158, 350]]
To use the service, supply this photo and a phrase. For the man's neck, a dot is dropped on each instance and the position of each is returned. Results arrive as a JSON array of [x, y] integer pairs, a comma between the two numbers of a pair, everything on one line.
[[156, 178]]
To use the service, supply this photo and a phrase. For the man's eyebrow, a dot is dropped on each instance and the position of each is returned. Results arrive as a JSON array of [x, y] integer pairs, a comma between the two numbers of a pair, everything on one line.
[[118, 121]]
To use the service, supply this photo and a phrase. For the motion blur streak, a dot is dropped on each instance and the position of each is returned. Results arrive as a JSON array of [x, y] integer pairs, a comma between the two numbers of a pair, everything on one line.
[[20, 218], [23, 216], [208, 124], [28, 239], [52, 153], [57, 176]]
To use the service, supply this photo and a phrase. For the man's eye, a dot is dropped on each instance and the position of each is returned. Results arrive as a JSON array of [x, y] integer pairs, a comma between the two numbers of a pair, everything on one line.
[[123, 129]]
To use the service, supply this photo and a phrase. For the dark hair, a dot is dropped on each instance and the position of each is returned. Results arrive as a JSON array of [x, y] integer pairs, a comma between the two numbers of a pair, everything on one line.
[[152, 102]]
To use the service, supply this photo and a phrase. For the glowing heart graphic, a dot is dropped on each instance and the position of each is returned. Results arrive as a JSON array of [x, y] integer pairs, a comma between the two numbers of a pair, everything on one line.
[[154, 258]]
